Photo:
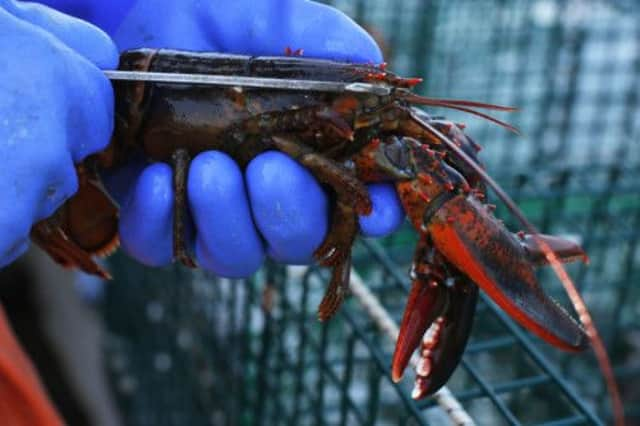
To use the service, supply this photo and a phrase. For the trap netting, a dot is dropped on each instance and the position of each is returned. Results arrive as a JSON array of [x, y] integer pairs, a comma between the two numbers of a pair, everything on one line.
[[186, 348]]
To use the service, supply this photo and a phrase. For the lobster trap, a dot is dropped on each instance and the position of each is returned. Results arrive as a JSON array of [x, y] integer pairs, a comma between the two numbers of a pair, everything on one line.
[[186, 348]]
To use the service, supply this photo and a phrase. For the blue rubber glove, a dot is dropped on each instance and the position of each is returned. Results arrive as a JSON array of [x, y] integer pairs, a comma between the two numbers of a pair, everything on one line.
[[277, 207], [56, 107]]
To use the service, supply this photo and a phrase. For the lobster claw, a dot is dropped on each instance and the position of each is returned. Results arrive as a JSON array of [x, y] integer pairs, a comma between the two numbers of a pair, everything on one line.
[[446, 314], [442, 302], [443, 345], [427, 301], [496, 260]]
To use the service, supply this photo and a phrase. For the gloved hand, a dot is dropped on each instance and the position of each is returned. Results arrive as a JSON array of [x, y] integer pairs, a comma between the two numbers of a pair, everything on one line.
[[56, 107], [276, 199]]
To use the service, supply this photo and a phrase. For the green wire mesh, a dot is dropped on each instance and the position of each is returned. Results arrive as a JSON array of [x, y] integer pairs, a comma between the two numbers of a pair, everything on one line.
[[187, 348]]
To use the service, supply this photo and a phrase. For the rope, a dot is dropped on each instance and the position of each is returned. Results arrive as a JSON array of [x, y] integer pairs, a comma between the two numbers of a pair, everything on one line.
[[445, 399]]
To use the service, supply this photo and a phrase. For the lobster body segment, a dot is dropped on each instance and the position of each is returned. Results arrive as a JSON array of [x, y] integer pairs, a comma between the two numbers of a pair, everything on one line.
[[345, 140]]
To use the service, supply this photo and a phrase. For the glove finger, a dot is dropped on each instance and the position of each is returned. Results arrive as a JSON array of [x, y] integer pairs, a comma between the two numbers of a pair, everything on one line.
[[76, 93], [90, 107], [61, 183], [387, 214], [289, 207], [87, 40], [106, 15], [146, 221], [320, 30], [346, 41], [147, 25], [227, 242]]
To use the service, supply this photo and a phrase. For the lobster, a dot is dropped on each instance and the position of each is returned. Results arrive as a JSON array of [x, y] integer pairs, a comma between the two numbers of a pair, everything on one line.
[[345, 140]]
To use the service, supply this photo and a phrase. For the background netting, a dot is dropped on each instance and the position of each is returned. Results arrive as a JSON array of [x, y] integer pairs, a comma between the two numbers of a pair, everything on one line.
[[186, 348]]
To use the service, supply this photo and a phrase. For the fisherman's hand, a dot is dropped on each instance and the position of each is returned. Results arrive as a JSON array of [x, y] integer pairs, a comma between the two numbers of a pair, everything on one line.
[[56, 107], [275, 206]]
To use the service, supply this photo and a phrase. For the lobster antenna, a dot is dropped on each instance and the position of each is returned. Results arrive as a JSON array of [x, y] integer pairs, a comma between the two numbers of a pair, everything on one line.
[[414, 98], [558, 268], [465, 106]]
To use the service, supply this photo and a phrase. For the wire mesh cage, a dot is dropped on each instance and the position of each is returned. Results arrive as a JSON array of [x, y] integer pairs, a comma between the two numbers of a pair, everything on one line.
[[187, 348]]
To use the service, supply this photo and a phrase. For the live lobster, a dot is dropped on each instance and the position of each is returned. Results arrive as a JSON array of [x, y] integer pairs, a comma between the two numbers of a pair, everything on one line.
[[345, 140]]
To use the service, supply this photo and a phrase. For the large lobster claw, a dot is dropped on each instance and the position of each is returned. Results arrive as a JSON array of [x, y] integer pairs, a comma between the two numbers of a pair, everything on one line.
[[479, 245], [463, 243], [442, 302]]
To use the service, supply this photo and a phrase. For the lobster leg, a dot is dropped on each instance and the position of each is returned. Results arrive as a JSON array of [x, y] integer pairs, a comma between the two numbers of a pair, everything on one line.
[[337, 290], [335, 251], [351, 198], [327, 171], [337, 245], [180, 163]]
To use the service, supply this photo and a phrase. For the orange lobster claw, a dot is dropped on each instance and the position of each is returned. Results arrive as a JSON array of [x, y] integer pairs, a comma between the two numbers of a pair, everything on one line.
[[443, 302], [427, 301], [463, 243], [442, 347], [483, 249], [449, 311]]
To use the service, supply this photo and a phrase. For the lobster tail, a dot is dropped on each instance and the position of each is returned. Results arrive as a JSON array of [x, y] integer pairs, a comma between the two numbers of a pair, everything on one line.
[[86, 225]]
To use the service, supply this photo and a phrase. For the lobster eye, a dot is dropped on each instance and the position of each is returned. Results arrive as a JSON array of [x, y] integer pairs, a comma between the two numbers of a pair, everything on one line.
[[397, 153], [396, 158]]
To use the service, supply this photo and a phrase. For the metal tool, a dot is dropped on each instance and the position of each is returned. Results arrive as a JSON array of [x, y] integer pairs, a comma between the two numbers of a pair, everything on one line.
[[256, 82]]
